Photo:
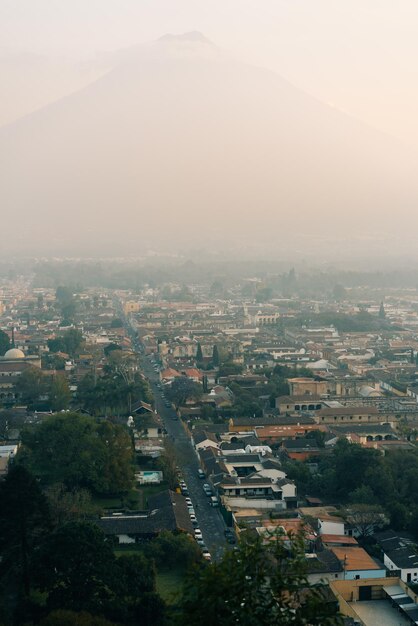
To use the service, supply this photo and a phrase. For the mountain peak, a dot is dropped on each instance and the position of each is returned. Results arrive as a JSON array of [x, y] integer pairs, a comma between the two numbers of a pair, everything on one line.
[[193, 36]]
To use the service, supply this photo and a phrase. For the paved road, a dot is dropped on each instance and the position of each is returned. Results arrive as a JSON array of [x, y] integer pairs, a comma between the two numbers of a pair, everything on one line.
[[209, 518]]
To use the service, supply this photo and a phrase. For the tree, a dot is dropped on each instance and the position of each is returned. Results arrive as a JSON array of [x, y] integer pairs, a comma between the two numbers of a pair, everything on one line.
[[73, 339], [31, 385], [183, 389], [116, 323], [365, 518], [81, 452], [229, 368], [24, 517], [363, 495], [215, 356], [268, 587], [199, 353], [68, 313], [67, 505], [113, 391], [382, 312], [116, 459], [73, 566], [208, 412], [4, 342], [170, 550], [56, 345], [69, 342], [59, 394], [63, 295], [167, 463], [351, 464], [112, 347], [318, 436], [77, 570]]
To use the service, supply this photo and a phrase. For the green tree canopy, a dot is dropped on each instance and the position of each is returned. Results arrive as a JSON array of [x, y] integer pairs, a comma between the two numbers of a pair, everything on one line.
[[78, 451], [229, 368], [112, 392], [76, 568], [183, 389], [24, 517], [31, 385], [59, 394], [177, 551], [4, 342], [69, 342], [258, 584], [215, 356]]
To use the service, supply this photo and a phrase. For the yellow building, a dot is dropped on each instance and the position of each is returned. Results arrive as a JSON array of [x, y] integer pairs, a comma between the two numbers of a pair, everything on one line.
[[131, 307]]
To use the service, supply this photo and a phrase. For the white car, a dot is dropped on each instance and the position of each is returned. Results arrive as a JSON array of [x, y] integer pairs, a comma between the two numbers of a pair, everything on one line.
[[198, 533], [193, 517], [189, 501], [206, 555]]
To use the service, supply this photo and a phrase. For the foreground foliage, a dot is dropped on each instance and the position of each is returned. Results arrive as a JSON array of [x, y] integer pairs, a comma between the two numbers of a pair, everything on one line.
[[257, 584]]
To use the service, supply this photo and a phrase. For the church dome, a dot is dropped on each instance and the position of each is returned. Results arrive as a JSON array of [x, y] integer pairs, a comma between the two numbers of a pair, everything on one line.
[[14, 353]]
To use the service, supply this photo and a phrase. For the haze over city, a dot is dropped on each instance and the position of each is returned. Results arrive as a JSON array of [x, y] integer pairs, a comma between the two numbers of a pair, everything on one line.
[[278, 128], [208, 313]]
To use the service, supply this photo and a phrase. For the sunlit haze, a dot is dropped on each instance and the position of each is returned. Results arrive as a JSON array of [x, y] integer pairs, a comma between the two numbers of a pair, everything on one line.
[[270, 128]]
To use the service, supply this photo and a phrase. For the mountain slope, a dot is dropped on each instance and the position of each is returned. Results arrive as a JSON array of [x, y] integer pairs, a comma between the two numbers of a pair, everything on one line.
[[179, 143]]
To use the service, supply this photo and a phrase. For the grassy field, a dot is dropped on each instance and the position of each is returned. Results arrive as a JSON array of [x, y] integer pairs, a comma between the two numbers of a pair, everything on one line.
[[129, 550], [169, 584], [146, 491]]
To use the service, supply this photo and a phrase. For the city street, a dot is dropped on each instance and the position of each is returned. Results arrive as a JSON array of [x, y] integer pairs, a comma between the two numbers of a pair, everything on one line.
[[209, 518]]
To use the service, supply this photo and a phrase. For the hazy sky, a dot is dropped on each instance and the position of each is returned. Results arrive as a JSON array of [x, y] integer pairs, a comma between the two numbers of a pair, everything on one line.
[[360, 55], [176, 147]]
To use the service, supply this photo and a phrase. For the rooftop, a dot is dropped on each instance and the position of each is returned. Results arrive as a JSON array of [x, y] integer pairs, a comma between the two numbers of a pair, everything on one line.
[[354, 558]]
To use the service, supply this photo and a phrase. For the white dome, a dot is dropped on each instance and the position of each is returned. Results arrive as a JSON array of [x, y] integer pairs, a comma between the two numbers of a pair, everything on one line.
[[14, 353]]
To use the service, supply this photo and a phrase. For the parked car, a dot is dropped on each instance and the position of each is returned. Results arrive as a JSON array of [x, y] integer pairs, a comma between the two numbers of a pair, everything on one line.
[[201, 473], [193, 518], [229, 536], [200, 542], [195, 523], [191, 510], [214, 501], [189, 501], [198, 533], [206, 555], [207, 489]]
